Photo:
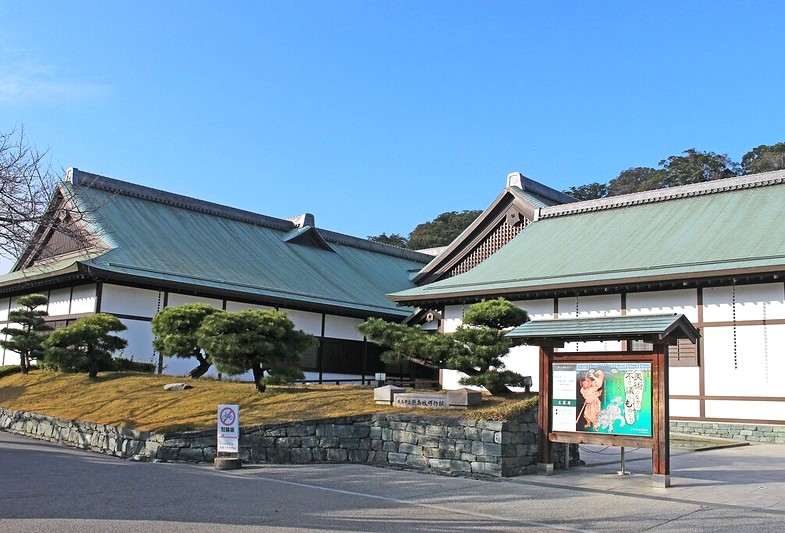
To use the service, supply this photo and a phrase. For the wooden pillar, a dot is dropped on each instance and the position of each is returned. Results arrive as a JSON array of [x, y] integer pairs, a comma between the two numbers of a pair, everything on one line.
[[660, 455], [545, 447]]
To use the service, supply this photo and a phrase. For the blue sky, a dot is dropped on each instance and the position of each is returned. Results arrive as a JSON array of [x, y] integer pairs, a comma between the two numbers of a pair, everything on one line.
[[376, 116]]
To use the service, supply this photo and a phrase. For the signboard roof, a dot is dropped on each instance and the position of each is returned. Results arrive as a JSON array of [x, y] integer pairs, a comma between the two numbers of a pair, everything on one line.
[[664, 329]]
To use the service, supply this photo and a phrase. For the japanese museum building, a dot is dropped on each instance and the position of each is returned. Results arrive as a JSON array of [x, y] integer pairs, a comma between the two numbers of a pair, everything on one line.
[[714, 252]]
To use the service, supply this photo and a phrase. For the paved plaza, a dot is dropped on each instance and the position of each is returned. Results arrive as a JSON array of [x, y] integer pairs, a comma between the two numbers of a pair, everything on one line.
[[52, 488]]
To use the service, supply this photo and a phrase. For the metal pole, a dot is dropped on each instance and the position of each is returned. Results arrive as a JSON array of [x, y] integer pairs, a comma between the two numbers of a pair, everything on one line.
[[623, 471]]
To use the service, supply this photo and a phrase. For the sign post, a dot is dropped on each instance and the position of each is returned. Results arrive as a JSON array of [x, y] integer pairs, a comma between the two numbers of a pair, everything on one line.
[[228, 450]]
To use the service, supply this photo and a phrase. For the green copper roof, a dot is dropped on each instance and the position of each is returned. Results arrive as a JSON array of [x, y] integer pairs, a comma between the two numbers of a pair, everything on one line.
[[681, 233], [162, 239], [653, 328]]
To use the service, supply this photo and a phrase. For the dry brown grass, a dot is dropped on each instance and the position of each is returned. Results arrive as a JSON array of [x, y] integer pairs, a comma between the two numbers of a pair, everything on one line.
[[138, 401]]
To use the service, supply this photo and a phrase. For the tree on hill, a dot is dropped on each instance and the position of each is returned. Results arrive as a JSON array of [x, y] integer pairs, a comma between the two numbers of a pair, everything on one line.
[[260, 341], [631, 180], [591, 191], [440, 231], [476, 348], [176, 333], [764, 158], [28, 339], [693, 167], [86, 345], [394, 239]]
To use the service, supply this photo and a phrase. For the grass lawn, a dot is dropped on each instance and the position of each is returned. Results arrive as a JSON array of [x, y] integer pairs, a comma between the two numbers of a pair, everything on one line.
[[138, 401]]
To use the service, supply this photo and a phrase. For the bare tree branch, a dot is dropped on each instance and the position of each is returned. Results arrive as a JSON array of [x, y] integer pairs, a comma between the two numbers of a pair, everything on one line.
[[28, 213]]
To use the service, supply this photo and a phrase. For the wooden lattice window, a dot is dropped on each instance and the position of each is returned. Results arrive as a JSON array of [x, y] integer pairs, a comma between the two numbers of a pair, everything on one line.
[[500, 236]]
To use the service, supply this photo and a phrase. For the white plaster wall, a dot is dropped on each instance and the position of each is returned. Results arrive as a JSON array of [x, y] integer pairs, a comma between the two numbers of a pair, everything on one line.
[[140, 341], [687, 408], [525, 360], [4, 304], [59, 302], [752, 302], [83, 300], [130, 301], [590, 306], [8, 357], [683, 302], [234, 307], [180, 299], [537, 309], [760, 361], [308, 322], [683, 380], [453, 317], [341, 327], [745, 410]]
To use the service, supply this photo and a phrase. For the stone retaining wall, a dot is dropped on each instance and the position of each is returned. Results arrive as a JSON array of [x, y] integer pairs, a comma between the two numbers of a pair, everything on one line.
[[748, 432], [431, 443]]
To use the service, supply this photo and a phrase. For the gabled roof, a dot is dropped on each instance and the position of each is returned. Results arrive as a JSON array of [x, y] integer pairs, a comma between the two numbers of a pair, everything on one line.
[[665, 329], [510, 212], [725, 228], [159, 239]]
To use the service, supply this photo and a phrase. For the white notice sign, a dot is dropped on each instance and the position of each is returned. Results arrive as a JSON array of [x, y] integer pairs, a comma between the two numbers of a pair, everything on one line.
[[228, 429], [564, 398]]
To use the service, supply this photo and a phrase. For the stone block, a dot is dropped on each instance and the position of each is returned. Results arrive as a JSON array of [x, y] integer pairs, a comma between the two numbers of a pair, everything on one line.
[[463, 398], [301, 455], [300, 431], [279, 455], [404, 447], [375, 432], [336, 455], [397, 458], [357, 456], [192, 455], [386, 394]]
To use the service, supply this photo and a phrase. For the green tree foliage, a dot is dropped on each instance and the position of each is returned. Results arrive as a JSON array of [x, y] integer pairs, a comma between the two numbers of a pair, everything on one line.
[[476, 348], [442, 230], [632, 180], [693, 167], [260, 341], [86, 345], [175, 330], [764, 158], [394, 239], [28, 339], [592, 191]]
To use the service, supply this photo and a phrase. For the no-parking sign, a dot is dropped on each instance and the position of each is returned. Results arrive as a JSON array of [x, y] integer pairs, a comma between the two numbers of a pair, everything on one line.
[[228, 429]]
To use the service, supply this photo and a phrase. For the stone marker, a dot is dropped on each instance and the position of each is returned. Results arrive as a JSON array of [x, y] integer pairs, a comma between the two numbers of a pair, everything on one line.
[[177, 386], [463, 398], [386, 394], [227, 463], [414, 399]]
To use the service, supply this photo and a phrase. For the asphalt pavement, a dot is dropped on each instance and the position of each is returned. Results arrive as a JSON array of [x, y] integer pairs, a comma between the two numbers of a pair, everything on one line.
[[46, 487]]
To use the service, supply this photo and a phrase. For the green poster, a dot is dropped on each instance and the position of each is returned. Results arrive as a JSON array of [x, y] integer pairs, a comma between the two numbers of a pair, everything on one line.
[[610, 398]]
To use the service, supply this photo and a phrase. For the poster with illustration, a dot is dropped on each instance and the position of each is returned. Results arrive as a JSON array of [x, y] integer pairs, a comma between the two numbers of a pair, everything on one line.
[[612, 398]]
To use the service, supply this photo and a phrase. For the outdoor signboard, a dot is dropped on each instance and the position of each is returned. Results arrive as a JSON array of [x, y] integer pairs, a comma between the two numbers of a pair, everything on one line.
[[602, 397], [228, 429]]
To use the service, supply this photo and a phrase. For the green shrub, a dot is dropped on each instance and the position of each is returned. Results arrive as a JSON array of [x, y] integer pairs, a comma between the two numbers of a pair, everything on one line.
[[121, 364]]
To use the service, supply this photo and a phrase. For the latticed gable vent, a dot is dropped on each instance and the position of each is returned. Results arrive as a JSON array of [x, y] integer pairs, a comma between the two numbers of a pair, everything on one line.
[[501, 235]]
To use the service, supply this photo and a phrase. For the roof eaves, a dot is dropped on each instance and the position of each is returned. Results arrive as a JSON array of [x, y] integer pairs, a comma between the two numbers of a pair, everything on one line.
[[776, 177]]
